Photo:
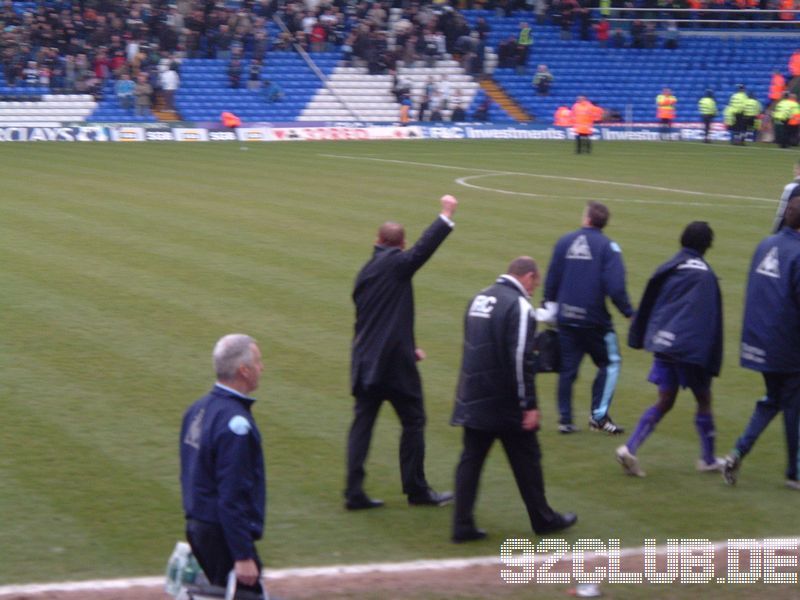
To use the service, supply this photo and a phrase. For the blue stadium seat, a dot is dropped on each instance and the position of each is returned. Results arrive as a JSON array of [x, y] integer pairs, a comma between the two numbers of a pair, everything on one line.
[[205, 90]]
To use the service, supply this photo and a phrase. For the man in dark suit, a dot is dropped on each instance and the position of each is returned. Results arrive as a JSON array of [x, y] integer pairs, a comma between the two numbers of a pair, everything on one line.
[[496, 399], [384, 358]]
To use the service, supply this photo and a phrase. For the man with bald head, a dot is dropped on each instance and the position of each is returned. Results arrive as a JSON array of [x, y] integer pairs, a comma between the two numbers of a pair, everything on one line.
[[384, 357]]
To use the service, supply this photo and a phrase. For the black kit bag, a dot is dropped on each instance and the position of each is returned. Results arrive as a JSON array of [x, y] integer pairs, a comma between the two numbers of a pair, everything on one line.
[[548, 351]]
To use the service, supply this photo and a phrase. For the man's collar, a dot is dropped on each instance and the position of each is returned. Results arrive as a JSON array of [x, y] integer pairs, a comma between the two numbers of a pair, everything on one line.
[[515, 282], [236, 393], [789, 231]]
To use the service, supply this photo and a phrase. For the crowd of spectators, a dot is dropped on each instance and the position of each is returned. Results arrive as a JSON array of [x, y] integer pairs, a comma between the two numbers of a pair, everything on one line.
[[422, 34], [80, 47], [135, 47], [94, 46]]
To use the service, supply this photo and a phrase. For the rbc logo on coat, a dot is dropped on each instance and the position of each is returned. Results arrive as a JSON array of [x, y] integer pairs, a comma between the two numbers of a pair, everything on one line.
[[482, 306]]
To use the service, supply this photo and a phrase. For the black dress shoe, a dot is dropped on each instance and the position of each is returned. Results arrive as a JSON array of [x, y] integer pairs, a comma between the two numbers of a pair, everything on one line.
[[431, 498], [562, 522], [362, 503], [469, 535]]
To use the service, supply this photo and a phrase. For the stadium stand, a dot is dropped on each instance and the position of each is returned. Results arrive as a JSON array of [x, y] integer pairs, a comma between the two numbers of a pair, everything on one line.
[[617, 78], [354, 95], [347, 42], [205, 91]]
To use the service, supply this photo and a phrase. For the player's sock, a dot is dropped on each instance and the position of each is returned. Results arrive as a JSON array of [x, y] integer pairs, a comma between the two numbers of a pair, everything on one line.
[[646, 425], [704, 423]]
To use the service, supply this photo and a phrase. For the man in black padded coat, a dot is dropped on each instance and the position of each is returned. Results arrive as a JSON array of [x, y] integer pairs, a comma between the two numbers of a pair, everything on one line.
[[496, 399]]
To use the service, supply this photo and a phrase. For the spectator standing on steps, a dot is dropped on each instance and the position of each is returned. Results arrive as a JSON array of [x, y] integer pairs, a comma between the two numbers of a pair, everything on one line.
[[524, 43], [143, 93], [542, 80], [170, 81], [254, 75], [125, 89]]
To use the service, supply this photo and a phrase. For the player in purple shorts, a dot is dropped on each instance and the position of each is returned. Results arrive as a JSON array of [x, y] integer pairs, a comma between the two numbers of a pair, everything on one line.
[[680, 321], [669, 374]]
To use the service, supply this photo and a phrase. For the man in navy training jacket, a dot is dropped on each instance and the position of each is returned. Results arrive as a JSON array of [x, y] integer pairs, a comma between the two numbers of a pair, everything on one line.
[[586, 267], [679, 320], [771, 341], [222, 468]]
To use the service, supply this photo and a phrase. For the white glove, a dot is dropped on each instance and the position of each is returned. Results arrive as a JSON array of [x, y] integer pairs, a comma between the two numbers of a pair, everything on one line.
[[548, 313]]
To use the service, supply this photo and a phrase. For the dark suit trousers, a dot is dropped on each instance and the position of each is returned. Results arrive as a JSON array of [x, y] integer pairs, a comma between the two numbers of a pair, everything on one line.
[[524, 456], [411, 413], [211, 550]]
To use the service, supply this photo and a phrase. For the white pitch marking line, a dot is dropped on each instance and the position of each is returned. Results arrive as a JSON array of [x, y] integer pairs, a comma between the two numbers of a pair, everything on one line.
[[729, 146], [463, 181], [331, 571], [543, 176], [81, 586]]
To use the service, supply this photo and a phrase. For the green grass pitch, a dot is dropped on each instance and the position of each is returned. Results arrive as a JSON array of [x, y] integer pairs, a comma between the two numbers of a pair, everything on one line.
[[122, 264]]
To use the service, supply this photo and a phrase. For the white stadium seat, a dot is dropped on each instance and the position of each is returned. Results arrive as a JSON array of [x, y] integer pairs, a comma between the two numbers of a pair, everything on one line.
[[51, 111], [352, 94]]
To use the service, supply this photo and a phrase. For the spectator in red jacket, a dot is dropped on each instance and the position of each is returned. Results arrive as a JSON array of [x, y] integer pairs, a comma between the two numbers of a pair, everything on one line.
[[601, 32]]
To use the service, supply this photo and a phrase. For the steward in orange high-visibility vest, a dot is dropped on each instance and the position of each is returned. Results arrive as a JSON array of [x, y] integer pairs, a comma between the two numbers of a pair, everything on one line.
[[230, 120], [665, 111], [794, 63], [777, 86], [583, 116], [563, 117]]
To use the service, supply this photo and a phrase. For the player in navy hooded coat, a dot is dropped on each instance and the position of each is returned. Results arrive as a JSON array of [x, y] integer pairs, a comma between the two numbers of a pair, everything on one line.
[[680, 321], [771, 342], [585, 269]]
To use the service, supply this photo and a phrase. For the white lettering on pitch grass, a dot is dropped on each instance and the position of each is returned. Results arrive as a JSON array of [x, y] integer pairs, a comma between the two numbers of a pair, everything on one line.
[[594, 561]]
